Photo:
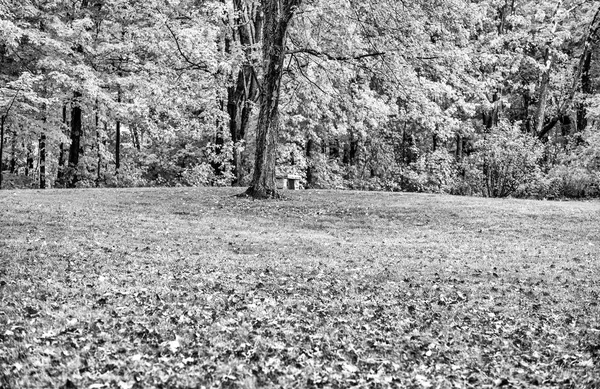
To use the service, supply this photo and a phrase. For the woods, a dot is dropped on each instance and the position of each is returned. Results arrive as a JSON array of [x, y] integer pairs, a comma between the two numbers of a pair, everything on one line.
[[487, 98]]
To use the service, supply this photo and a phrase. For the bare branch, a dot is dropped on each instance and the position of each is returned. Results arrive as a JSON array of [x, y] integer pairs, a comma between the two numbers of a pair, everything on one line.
[[332, 57], [193, 65], [12, 102], [306, 76]]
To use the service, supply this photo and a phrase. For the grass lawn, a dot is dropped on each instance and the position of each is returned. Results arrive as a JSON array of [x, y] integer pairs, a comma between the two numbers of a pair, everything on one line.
[[178, 288]]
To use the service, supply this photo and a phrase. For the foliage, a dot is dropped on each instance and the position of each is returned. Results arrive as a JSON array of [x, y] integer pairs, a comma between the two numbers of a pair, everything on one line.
[[578, 174], [376, 87], [504, 159], [432, 172]]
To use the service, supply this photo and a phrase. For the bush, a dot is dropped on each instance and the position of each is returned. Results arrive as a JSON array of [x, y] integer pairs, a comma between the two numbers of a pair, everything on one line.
[[504, 160], [576, 173], [574, 181], [16, 181], [203, 174], [432, 172], [324, 174]]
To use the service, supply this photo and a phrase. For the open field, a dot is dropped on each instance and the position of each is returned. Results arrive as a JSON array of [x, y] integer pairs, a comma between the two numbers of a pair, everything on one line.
[[139, 288]]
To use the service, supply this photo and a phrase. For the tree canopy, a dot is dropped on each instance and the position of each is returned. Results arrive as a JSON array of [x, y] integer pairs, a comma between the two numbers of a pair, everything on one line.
[[488, 97]]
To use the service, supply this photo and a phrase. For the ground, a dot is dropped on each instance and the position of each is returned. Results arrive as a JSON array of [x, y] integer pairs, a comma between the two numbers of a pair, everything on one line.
[[180, 287]]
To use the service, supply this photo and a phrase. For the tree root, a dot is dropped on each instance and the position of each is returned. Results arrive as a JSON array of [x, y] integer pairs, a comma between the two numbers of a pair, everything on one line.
[[262, 194]]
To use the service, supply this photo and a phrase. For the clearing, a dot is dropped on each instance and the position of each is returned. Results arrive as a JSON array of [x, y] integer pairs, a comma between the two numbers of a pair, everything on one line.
[[185, 287]]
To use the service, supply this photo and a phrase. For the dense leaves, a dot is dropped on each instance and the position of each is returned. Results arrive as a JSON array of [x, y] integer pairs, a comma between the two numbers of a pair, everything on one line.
[[373, 93]]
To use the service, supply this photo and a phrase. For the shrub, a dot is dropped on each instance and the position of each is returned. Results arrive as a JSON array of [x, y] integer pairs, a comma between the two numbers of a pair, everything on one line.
[[504, 160], [324, 174], [432, 172], [203, 174], [16, 181]]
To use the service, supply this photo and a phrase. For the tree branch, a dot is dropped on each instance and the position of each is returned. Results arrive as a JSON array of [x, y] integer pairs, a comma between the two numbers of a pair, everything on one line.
[[12, 102], [547, 127], [193, 64], [306, 76], [332, 57]]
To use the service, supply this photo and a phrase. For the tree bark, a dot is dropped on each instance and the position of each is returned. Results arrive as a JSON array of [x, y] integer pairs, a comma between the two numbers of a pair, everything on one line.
[[459, 147], [42, 147], [239, 107], [135, 137], [60, 175], [29, 160], [580, 75], [277, 16], [118, 140], [2, 121], [545, 79], [544, 82], [586, 88], [242, 95], [99, 151], [75, 148]]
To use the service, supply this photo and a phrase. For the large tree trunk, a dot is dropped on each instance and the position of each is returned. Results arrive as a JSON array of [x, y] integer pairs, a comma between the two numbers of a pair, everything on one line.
[[76, 134], [239, 107], [277, 16], [242, 95]]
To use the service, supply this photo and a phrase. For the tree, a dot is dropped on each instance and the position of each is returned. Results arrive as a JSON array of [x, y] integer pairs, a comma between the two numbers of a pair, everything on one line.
[[277, 17], [2, 123]]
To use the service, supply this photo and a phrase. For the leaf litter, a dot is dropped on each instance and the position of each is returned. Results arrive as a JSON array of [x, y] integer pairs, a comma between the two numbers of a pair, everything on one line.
[[189, 287]]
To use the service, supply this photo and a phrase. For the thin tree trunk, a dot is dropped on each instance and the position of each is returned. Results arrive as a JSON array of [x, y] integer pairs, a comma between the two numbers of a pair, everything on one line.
[[586, 89], [216, 163], [104, 140], [61, 152], [99, 151], [13, 152], [118, 140], [42, 147], [544, 82], [310, 144], [2, 121], [135, 138], [354, 143], [526, 117], [29, 161], [76, 133], [277, 14], [459, 147]]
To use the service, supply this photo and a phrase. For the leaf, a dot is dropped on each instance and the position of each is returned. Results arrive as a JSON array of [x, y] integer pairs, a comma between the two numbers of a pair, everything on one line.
[[174, 345], [126, 385], [423, 381]]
